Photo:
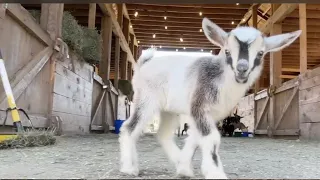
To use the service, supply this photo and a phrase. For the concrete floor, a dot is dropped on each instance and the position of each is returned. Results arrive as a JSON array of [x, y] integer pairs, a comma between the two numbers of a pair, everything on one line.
[[96, 156]]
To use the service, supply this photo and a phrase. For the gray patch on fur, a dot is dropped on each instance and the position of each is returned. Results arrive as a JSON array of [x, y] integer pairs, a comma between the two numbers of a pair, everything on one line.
[[208, 71], [214, 155]]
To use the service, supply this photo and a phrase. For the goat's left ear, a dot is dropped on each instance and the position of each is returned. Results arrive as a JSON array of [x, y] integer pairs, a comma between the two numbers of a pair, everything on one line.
[[214, 33], [278, 42]]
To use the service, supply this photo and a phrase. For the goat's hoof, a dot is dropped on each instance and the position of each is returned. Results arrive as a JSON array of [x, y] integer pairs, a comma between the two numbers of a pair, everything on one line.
[[130, 171], [216, 175], [185, 172]]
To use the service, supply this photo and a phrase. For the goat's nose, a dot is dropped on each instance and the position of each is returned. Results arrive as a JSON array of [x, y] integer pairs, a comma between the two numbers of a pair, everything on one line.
[[242, 66]]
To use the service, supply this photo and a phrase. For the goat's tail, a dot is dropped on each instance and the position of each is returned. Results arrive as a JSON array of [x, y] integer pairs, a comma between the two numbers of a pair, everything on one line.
[[147, 55]]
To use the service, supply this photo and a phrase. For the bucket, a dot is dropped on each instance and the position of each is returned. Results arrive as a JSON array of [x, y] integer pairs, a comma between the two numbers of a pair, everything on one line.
[[245, 134], [117, 125]]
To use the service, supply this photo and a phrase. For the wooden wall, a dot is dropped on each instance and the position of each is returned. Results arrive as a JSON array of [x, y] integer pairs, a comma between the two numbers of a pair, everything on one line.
[[72, 94], [26, 61], [309, 104]]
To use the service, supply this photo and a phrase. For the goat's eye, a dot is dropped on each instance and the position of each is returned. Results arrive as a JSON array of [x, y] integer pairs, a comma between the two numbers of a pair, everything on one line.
[[260, 53], [227, 52]]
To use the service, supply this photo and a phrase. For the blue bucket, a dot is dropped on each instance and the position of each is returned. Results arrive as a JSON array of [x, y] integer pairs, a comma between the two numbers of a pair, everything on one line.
[[117, 125], [245, 134]]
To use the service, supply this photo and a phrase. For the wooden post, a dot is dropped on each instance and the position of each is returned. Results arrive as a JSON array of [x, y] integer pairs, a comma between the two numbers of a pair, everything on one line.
[[255, 25], [104, 70], [133, 53], [256, 85], [124, 63], [303, 38], [51, 21], [275, 72], [92, 15], [51, 18]]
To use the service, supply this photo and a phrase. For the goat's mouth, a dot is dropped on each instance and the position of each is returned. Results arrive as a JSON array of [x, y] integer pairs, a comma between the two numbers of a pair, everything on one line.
[[242, 79]]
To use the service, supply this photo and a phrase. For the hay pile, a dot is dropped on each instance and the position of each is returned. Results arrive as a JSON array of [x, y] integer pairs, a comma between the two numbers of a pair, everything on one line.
[[85, 42], [30, 138]]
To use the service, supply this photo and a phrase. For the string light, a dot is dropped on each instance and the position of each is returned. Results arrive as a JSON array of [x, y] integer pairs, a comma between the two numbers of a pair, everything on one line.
[[201, 49], [210, 51], [184, 47], [243, 19], [160, 46], [200, 30], [151, 46], [181, 39], [136, 14], [138, 41], [166, 27], [237, 4], [176, 49], [200, 13], [130, 26], [154, 35], [165, 17], [232, 22]]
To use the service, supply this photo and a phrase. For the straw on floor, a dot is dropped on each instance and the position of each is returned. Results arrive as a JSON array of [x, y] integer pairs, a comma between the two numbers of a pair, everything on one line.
[[30, 138]]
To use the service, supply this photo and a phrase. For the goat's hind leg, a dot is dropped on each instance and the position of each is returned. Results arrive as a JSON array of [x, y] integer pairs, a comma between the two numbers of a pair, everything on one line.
[[168, 123], [130, 132]]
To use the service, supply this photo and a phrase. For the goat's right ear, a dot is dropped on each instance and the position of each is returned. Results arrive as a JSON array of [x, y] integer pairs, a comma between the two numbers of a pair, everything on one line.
[[214, 33]]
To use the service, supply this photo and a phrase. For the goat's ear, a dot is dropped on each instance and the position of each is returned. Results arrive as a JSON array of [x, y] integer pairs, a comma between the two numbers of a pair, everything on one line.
[[214, 33], [278, 42]]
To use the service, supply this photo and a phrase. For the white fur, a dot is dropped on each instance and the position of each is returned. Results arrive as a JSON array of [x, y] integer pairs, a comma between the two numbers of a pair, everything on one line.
[[162, 86]]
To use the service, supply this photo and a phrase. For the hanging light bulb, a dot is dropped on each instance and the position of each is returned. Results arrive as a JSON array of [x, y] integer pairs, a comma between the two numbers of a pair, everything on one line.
[[166, 27], [130, 26], [165, 17], [201, 49], [232, 22], [200, 13], [181, 39], [237, 4], [138, 41], [243, 19], [136, 14], [200, 30], [154, 35], [176, 49], [160, 46], [210, 51], [184, 47]]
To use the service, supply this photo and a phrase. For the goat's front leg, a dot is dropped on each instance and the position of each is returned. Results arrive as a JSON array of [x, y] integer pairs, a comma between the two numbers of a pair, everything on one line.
[[209, 143]]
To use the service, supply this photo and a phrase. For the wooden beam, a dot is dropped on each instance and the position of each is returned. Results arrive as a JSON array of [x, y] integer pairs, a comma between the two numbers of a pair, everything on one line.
[[198, 25], [303, 37], [104, 67], [204, 9], [92, 15], [107, 9], [25, 19], [287, 76], [277, 17], [249, 14], [218, 15], [290, 70]]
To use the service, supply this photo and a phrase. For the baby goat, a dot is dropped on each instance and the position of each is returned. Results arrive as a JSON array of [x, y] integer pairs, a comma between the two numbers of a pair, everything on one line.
[[204, 89]]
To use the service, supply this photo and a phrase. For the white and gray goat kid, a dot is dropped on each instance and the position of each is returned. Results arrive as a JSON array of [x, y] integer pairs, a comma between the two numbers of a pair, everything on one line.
[[203, 89]]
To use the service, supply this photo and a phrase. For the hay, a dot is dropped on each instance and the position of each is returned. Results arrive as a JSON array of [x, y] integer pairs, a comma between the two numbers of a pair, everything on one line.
[[30, 138], [85, 42]]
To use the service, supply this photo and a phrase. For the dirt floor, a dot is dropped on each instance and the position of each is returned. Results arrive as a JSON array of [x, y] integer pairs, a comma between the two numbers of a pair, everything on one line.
[[96, 156]]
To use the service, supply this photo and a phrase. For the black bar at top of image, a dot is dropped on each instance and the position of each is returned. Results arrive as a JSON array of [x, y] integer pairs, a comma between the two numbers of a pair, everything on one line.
[[161, 1]]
